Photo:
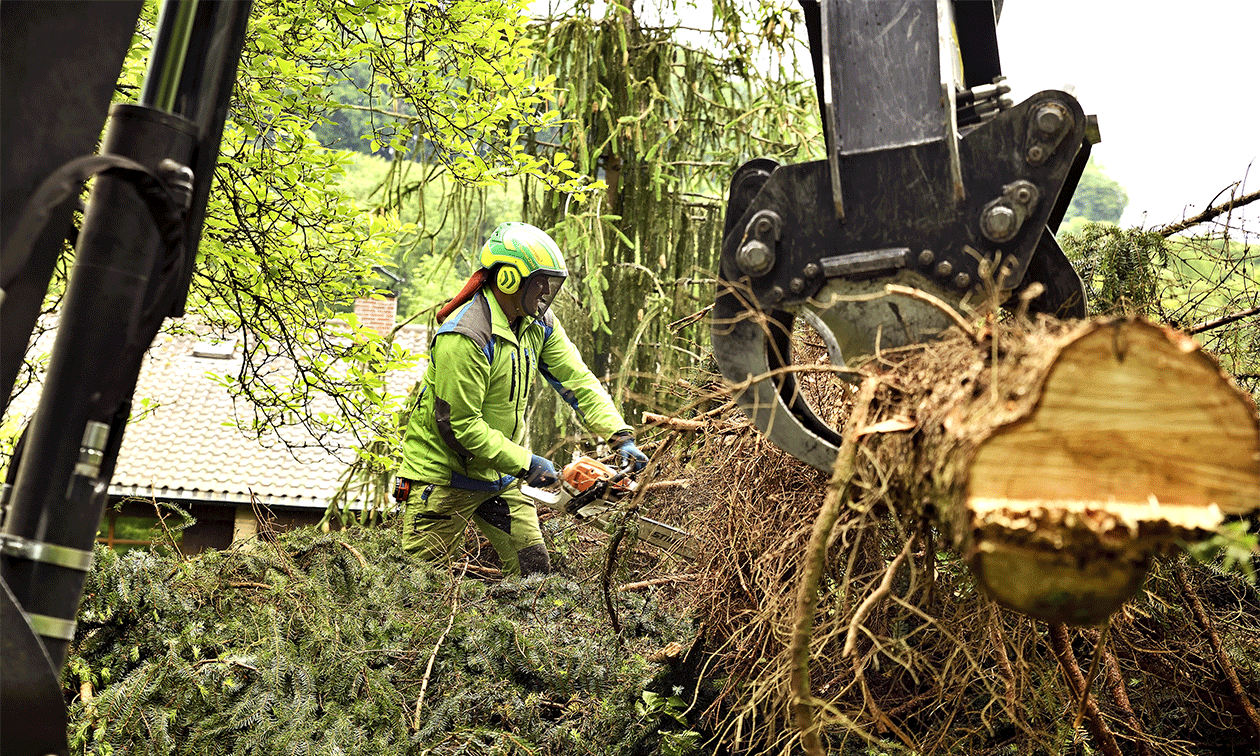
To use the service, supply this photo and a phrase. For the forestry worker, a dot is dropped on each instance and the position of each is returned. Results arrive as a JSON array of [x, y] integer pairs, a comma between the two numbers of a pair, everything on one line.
[[462, 451]]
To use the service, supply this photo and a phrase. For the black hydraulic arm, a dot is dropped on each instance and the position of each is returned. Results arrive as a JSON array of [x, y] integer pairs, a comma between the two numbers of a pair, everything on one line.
[[133, 259]]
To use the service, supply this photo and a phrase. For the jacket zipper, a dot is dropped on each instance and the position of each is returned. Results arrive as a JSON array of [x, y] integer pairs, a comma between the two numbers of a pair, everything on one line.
[[512, 390]]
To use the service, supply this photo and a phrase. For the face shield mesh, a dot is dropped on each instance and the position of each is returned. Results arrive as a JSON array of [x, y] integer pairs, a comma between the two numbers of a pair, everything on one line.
[[539, 291]]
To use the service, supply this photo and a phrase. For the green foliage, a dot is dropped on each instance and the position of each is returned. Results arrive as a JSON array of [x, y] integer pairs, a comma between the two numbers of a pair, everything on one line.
[[1234, 545], [1121, 268], [1097, 198], [663, 115], [447, 222], [322, 643]]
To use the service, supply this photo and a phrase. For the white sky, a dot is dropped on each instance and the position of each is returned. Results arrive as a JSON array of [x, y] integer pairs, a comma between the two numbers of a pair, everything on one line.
[[1175, 86]]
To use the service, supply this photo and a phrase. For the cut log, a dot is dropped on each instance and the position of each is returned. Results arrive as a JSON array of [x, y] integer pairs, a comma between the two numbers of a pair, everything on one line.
[[1062, 459]]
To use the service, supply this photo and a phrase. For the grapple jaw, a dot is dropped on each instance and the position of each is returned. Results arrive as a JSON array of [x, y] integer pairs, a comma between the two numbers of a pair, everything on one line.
[[787, 255]]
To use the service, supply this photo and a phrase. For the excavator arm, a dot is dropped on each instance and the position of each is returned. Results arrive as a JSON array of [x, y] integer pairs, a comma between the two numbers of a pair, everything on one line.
[[933, 180]]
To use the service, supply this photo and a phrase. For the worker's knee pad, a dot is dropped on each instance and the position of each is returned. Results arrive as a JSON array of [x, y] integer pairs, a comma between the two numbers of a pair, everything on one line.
[[534, 560], [496, 513]]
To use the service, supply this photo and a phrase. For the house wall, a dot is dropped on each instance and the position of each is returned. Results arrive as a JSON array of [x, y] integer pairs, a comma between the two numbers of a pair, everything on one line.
[[377, 313], [217, 526]]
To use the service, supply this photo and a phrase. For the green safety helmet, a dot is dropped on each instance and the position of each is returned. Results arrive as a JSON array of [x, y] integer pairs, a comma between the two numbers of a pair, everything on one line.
[[530, 265]]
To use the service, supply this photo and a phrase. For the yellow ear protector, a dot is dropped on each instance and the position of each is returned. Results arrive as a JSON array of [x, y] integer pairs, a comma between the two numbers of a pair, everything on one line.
[[508, 279]]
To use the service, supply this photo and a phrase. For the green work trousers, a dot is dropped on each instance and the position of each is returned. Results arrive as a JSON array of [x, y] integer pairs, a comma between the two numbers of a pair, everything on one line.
[[436, 516]]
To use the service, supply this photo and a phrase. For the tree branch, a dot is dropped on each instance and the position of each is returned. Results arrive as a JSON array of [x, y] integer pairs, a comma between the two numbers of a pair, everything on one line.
[[1224, 320], [1209, 214], [1062, 647]]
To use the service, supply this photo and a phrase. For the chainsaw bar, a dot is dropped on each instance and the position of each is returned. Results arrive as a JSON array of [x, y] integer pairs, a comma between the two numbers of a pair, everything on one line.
[[603, 514]]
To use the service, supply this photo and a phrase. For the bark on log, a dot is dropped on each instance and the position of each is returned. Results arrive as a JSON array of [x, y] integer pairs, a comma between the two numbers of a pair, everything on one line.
[[1061, 459]]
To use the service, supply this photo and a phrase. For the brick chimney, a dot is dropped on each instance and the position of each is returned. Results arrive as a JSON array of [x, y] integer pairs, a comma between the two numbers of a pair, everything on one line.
[[377, 312]]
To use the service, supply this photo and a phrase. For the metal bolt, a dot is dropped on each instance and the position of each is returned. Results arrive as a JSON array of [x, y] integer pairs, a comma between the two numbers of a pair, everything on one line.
[[999, 223], [1036, 154], [763, 225], [178, 179], [774, 296], [798, 285], [926, 257], [1023, 195], [812, 270], [755, 258], [1049, 119], [962, 280], [943, 269]]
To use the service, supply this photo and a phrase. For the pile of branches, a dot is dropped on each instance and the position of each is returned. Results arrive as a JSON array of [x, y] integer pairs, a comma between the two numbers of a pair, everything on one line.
[[907, 655], [340, 643]]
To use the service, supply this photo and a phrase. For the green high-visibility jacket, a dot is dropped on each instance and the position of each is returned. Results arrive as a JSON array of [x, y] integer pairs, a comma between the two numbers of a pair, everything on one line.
[[467, 427]]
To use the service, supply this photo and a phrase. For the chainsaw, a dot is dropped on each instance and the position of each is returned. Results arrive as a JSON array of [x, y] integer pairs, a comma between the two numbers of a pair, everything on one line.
[[592, 493]]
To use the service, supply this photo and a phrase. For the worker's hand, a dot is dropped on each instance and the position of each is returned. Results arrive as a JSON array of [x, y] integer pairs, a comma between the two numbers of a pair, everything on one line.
[[631, 457], [541, 472]]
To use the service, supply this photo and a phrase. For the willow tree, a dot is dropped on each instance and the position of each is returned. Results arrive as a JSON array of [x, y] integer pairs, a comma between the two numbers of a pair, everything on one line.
[[663, 113]]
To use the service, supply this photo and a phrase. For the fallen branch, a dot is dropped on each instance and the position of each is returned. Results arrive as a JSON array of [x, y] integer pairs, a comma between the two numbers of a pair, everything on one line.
[[1003, 659], [672, 423], [1209, 214], [877, 595], [464, 567], [232, 662], [1222, 659], [643, 585], [1120, 694], [428, 670], [353, 550], [687, 425], [661, 485], [1225, 320], [1062, 648], [815, 558]]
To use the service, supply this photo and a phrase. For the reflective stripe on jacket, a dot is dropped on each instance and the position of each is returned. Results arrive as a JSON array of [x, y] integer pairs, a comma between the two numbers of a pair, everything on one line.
[[468, 425]]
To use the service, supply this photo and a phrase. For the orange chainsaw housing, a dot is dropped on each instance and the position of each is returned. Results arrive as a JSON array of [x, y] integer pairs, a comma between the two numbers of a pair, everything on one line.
[[586, 472]]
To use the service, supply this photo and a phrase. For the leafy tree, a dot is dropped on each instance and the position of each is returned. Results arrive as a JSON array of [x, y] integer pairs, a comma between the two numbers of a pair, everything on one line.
[[663, 114], [1098, 198], [284, 248]]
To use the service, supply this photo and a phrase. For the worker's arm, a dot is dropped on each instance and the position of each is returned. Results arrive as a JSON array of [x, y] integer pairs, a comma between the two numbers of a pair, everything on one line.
[[562, 366], [461, 380]]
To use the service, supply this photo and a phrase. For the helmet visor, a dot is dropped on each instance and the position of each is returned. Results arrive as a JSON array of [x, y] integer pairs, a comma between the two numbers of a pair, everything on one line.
[[539, 291]]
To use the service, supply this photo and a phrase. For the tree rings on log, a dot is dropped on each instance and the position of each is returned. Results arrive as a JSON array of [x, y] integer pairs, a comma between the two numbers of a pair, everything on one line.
[[1132, 441]]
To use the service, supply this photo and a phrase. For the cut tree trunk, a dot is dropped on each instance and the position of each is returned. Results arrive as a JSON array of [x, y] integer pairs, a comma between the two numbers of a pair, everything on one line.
[[1062, 458]]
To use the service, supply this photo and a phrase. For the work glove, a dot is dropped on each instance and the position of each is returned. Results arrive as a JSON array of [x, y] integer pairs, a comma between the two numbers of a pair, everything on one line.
[[629, 454], [541, 472]]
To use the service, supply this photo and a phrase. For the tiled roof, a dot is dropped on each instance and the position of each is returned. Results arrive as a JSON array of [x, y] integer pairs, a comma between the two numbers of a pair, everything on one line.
[[182, 449]]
